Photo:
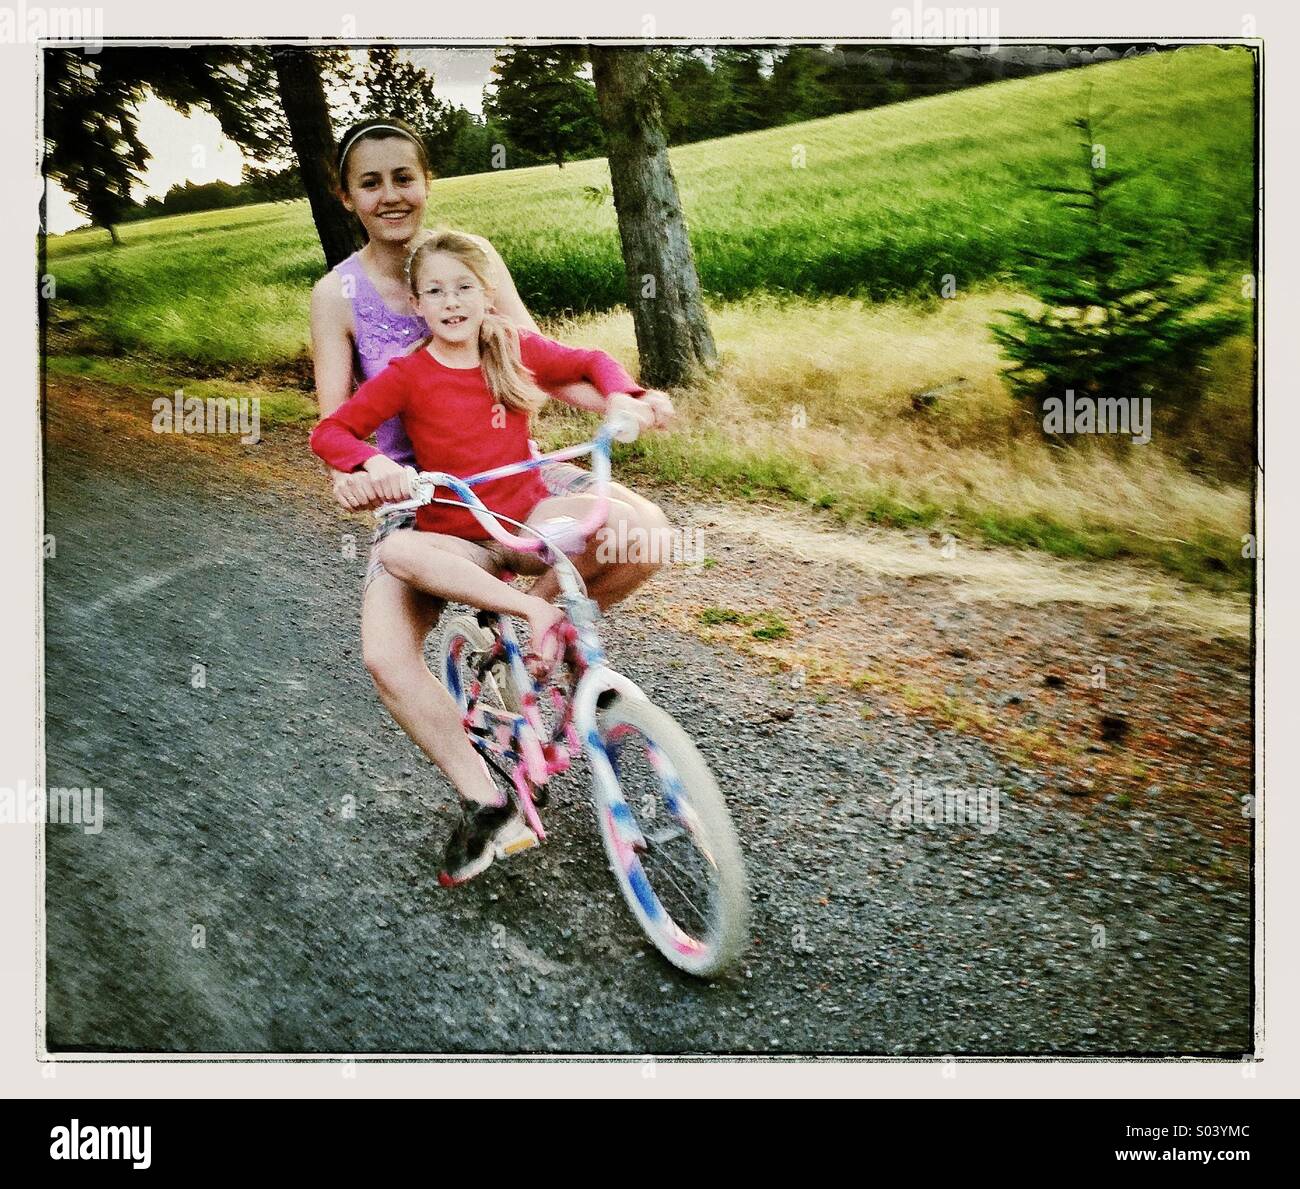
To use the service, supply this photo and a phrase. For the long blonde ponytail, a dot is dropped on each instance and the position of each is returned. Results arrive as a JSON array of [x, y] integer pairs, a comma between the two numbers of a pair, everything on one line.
[[508, 380]]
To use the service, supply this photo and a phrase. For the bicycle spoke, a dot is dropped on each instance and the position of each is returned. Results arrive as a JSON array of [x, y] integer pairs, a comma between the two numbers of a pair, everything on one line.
[[668, 834], [702, 916], [660, 859], [667, 858], [694, 877]]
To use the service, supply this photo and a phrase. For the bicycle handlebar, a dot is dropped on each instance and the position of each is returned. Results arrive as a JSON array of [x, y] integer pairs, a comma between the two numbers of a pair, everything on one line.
[[617, 427]]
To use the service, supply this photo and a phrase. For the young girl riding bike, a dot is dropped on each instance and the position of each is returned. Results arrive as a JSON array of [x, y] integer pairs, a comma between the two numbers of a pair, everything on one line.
[[465, 397]]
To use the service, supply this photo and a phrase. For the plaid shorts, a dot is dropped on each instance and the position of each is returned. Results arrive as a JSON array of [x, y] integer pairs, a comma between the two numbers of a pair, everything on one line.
[[387, 526], [560, 478]]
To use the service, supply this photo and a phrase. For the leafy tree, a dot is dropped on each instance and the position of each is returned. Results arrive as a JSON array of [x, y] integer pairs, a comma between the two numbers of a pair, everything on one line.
[[199, 196], [1115, 322], [544, 103], [672, 327], [744, 87], [93, 146], [272, 185], [268, 101], [857, 82], [393, 85], [800, 86], [478, 148], [300, 81], [691, 94], [715, 92]]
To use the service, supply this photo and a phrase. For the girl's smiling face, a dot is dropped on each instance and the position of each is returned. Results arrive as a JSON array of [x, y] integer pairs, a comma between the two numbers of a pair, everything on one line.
[[450, 298], [386, 186]]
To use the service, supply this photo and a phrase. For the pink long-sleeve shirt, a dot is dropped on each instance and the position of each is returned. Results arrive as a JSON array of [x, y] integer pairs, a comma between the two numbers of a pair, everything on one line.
[[455, 425]]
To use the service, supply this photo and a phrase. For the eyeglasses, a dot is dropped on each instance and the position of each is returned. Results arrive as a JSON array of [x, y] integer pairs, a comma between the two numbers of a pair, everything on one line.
[[462, 291]]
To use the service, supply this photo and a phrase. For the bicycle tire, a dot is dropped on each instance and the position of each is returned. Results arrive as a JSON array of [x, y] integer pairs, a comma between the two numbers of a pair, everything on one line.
[[710, 828]]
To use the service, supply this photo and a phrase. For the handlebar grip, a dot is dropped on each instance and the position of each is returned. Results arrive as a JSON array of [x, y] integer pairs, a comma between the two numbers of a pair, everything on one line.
[[623, 427], [421, 494]]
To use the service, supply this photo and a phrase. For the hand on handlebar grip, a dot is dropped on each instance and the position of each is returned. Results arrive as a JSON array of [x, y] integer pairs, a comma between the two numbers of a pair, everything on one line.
[[355, 491], [625, 419], [392, 481]]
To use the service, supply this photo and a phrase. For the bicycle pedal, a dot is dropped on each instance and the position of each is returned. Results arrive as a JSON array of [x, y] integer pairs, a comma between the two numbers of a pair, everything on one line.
[[517, 840]]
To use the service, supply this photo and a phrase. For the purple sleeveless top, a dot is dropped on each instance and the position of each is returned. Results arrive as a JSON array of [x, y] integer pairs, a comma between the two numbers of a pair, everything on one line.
[[380, 334]]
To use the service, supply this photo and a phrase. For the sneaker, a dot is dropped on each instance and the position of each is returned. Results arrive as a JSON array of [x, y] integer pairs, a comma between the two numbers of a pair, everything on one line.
[[484, 833]]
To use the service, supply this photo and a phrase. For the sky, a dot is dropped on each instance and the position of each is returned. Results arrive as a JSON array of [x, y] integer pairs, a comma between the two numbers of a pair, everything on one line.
[[192, 148]]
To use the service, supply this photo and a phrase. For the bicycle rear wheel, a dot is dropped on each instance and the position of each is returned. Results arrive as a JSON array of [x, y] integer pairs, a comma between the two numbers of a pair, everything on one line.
[[686, 884], [464, 643]]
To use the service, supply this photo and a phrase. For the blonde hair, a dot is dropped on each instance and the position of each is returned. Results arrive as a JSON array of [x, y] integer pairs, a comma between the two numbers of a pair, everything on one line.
[[508, 379]]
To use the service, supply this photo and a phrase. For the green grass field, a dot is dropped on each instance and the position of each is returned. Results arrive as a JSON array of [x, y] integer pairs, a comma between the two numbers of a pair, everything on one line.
[[888, 202], [822, 284]]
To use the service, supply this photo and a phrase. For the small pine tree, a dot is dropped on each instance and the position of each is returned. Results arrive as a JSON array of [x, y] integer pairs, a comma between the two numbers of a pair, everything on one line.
[[1115, 322]]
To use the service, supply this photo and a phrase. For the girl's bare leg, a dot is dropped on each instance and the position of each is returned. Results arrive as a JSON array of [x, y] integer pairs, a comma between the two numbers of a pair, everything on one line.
[[452, 568], [395, 621], [397, 617], [608, 581]]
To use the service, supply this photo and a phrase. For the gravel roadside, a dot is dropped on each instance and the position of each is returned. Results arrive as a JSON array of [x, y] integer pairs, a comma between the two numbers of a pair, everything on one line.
[[232, 903]]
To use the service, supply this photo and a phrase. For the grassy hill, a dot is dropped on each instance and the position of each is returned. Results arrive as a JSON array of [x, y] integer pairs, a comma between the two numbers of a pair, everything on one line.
[[846, 384], [885, 203]]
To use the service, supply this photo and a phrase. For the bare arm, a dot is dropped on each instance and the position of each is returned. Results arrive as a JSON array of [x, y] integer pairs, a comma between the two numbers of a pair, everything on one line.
[[580, 395], [331, 344], [331, 352]]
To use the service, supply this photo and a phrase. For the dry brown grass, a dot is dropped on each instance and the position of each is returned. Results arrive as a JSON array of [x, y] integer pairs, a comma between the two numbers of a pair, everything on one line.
[[899, 411]]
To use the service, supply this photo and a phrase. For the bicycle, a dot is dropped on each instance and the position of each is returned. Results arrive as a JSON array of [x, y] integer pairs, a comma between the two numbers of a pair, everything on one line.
[[660, 812]]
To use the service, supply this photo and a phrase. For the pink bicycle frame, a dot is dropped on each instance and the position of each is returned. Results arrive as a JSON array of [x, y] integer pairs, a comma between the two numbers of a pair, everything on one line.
[[533, 761]]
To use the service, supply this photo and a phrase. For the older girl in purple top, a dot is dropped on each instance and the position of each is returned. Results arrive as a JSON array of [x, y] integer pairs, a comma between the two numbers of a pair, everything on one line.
[[379, 334], [360, 318]]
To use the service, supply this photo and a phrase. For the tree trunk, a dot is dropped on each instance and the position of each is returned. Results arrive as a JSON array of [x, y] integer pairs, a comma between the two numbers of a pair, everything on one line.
[[303, 95], [672, 328]]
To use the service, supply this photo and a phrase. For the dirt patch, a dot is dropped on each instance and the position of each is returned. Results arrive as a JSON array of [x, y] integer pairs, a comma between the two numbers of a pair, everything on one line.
[[1073, 672]]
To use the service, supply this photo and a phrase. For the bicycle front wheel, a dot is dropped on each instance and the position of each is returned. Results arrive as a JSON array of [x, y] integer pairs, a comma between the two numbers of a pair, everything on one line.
[[685, 882]]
